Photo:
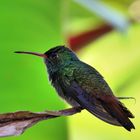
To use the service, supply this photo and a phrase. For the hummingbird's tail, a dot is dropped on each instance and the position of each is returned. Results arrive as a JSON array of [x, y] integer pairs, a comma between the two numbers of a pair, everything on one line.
[[117, 110]]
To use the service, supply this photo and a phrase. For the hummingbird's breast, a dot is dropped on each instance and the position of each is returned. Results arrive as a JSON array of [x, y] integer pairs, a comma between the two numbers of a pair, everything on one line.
[[55, 77]]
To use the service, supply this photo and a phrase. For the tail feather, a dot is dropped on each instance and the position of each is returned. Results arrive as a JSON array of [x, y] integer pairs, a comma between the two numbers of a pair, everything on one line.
[[128, 113], [117, 110]]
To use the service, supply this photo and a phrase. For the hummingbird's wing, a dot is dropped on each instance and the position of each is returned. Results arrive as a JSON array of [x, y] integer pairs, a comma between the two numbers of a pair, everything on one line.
[[75, 92], [78, 94], [115, 113], [106, 107]]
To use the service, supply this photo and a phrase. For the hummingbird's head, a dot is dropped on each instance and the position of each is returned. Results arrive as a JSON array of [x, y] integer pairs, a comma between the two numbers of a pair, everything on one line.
[[59, 55]]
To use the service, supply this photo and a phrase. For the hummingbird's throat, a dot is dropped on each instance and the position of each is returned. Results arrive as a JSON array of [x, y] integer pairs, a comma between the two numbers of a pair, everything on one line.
[[32, 53]]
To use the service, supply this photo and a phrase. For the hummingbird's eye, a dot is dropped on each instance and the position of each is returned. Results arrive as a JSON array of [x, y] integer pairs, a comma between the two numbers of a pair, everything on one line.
[[54, 55]]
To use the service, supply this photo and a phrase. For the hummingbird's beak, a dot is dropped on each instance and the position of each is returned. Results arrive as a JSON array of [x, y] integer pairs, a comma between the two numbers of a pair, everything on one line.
[[32, 53]]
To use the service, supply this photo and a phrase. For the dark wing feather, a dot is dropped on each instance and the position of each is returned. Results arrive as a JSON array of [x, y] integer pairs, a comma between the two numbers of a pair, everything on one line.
[[78, 94]]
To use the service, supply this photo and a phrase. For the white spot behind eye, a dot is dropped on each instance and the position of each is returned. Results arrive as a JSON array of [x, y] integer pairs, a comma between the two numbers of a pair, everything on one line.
[[53, 55]]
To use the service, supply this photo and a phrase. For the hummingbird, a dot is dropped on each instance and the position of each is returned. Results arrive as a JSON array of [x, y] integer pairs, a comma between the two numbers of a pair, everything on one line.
[[81, 85]]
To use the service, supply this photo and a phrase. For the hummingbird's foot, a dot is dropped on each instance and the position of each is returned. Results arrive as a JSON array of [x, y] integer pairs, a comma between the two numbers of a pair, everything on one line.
[[78, 108], [65, 112]]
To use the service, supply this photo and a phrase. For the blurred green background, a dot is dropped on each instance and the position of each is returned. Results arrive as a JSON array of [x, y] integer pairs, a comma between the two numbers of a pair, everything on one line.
[[37, 25]]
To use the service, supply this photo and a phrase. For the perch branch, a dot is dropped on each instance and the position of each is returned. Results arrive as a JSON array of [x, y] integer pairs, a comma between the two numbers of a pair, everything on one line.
[[16, 123]]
